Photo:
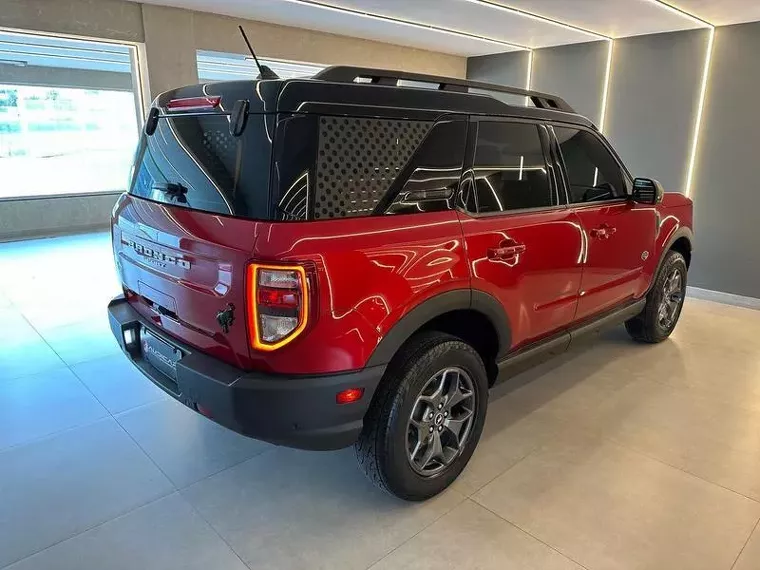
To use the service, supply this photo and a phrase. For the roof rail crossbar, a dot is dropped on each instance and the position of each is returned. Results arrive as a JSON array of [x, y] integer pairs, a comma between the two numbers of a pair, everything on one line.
[[349, 74]]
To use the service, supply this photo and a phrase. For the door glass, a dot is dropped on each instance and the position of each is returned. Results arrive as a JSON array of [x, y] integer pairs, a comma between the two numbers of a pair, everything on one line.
[[593, 173], [510, 168]]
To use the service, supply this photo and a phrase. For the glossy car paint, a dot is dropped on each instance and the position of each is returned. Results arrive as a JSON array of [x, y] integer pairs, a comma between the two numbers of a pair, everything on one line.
[[538, 287], [620, 238]]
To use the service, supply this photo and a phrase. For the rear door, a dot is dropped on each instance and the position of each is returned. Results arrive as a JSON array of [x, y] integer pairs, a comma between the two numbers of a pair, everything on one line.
[[184, 233], [619, 232], [523, 242]]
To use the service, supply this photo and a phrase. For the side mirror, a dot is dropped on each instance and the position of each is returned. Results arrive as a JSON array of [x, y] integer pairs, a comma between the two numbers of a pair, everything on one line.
[[647, 191]]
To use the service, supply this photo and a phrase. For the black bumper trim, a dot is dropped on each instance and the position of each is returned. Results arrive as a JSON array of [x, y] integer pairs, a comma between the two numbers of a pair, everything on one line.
[[296, 411]]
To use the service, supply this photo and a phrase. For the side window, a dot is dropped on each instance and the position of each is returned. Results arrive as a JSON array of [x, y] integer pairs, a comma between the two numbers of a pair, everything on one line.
[[434, 171], [592, 172], [510, 168], [358, 160]]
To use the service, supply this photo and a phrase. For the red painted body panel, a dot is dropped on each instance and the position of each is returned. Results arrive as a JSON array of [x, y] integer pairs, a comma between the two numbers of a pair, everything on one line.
[[538, 287], [370, 272], [367, 273], [620, 241], [218, 249]]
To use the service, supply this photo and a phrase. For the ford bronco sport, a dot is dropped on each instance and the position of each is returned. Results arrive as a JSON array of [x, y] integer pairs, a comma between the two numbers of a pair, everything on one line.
[[356, 258]]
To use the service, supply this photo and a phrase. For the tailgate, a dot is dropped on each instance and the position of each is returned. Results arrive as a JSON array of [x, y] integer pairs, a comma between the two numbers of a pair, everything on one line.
[[182, 268]]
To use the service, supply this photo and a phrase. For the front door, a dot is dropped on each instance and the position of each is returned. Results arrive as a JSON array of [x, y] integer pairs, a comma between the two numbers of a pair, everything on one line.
[[619, 233], [523, 243]]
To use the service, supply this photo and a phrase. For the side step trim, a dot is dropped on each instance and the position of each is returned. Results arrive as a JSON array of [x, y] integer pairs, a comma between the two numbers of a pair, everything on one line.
[[542, 350]]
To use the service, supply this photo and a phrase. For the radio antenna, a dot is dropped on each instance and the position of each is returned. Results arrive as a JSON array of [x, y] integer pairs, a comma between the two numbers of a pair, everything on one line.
[[264, 71]]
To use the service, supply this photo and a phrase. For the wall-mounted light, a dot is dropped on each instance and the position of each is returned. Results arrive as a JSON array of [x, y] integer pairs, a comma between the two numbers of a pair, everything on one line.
[[700, 109], [606, 84], [528, 78], [702, 89]]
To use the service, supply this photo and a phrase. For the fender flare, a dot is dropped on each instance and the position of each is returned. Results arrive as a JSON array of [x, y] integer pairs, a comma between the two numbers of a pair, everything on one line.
[[423, 313], [682, 232]]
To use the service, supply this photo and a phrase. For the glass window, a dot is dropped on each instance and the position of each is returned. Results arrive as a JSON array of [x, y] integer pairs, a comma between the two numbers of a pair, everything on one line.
[[592, 172], [68, 115], [434, 171], [510, 168], [222, 66]]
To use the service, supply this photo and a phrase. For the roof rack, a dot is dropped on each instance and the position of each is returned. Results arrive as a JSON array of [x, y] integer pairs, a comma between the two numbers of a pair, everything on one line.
[[349, 74]]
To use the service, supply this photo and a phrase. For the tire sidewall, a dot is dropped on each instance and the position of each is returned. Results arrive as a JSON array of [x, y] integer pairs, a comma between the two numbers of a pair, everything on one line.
[[672, 261], [399, 472]]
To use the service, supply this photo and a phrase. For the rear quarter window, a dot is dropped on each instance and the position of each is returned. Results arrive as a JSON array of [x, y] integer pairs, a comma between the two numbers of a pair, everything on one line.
[[356, 166]]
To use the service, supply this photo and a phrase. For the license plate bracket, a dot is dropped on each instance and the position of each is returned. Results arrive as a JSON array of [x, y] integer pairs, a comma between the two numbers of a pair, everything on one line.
[[160, 354]]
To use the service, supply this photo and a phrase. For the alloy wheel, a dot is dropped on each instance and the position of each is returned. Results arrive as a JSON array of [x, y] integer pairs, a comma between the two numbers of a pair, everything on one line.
[[672, 297], [441, 421]]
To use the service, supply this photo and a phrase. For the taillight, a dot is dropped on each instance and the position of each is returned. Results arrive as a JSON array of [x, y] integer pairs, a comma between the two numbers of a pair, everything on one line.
[[278, 304], [194, 103]]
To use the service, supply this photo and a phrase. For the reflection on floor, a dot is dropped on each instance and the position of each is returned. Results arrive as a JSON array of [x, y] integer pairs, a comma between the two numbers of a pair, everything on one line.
[[615, 455]]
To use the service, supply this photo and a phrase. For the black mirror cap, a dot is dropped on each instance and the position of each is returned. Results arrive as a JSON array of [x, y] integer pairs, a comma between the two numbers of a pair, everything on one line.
[[647, 191], [151, 123], [239, 117]]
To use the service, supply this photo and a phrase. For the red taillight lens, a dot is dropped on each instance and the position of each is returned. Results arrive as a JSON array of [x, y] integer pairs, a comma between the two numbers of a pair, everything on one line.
[[278, 304], [194, 103]]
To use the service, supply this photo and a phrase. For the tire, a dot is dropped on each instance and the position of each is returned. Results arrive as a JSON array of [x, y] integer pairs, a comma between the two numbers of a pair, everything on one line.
[[650, 326], [384, 446]]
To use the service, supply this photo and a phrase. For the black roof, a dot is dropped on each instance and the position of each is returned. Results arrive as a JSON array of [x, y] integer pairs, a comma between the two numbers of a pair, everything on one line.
[[361, 91]]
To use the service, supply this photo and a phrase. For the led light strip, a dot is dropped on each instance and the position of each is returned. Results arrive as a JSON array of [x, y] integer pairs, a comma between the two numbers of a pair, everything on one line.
[[537, 18], [702, 90], [606, 86], [415, 25], [530, 73]]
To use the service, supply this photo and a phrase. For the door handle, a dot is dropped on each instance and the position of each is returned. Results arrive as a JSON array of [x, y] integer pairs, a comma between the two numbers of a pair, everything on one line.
[[506, 251], [603, 232]]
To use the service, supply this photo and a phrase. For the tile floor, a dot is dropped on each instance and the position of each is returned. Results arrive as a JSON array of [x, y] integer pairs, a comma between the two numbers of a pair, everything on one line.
[[612, 456]]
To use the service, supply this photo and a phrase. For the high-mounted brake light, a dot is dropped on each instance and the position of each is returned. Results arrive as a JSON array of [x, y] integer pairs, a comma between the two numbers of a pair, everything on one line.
[[194, 103], [278, 304]]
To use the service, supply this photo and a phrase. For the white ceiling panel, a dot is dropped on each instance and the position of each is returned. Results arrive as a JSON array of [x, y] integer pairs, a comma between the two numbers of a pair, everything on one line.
[[474, 16], [614, 18], [722, 12], [477, 27], [302, 15]]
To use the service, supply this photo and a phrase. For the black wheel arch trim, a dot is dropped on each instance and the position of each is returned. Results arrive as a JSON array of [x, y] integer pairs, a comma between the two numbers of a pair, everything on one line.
[[423, 313], [682, 232]]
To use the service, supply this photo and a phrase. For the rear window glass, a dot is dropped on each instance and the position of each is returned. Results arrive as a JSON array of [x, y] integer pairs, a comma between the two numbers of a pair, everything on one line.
[[193, 161]]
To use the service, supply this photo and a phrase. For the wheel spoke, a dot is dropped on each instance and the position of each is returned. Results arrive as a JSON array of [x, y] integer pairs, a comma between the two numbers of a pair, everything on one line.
[[455, 425], [433, 451]]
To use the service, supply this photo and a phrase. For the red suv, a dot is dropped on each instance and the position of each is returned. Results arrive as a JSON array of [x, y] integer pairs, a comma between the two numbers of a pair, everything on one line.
[[356, 258]]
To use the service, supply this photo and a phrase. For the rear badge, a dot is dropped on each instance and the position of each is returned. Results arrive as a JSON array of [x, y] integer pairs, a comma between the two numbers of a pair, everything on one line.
[[226, 317], [156, 257]]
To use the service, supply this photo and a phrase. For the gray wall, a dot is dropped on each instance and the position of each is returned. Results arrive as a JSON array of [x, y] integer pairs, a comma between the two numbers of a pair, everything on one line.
[[575, 73], [652, 103], [726, 189], [503, 69]]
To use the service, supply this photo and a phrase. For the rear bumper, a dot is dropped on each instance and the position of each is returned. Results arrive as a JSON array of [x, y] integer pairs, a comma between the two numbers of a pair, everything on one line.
[[297, 411]]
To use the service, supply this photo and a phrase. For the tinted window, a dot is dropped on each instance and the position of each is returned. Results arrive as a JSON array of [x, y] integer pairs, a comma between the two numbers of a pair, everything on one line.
[[510, 168], [358, 161], [433, 173], [592, 171], [194, 162]]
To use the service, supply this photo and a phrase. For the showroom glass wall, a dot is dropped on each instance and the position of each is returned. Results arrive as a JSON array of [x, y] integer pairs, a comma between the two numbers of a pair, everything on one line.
[[70, 112]]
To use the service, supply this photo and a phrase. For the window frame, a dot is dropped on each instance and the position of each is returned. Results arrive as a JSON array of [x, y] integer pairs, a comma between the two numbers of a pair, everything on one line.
[[467, 183], [562, 167], [140, 94]]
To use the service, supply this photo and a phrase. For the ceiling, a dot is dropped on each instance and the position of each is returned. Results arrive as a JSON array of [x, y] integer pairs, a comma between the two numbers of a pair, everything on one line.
[[478, 27]]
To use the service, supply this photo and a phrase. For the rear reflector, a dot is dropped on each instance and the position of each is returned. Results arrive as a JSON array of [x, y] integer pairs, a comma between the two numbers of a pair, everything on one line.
[[194, 103], [349, 395], [278, 304]]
